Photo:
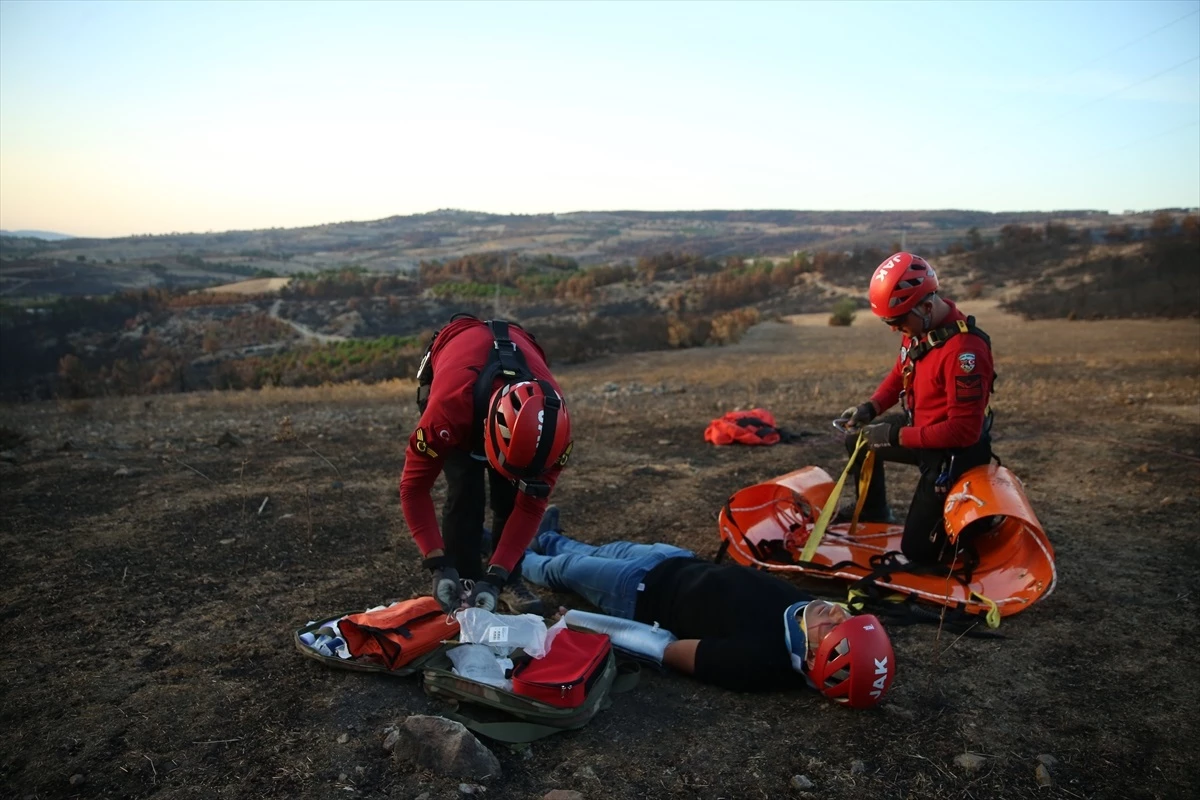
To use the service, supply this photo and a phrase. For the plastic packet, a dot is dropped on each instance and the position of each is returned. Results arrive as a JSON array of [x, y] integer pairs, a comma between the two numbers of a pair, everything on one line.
[[479, 663], [328, 641], [503, 633], [554, 630]]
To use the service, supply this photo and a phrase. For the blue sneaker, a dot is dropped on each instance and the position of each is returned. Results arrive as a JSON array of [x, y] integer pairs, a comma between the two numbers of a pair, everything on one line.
[[549, 521], [520, 599]]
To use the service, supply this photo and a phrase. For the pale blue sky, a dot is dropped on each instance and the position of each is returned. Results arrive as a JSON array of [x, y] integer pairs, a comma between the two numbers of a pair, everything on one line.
[[151, 117]]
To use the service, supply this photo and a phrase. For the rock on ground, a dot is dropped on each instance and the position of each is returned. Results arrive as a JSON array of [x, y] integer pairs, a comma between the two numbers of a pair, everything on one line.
[[802, 783], [971, 762], [445, 747]]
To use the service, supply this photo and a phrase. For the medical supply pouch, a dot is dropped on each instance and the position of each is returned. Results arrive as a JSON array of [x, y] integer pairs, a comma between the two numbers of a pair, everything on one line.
[[569, 669], [395, 639]]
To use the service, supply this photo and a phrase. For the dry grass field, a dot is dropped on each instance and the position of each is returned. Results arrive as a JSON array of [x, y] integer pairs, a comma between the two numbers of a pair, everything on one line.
[[159, 552], [251, 287]]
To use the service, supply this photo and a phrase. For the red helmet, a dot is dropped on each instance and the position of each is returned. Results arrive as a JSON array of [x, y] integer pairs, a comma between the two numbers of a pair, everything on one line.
[[900, 284], [855, 663], [527, 430]]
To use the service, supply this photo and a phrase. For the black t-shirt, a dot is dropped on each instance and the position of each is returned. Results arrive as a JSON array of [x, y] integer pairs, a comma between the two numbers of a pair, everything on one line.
[[736, 613]]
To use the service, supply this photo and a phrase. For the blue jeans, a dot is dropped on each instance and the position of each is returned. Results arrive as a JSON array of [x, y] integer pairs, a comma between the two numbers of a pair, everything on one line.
[[607, 576]]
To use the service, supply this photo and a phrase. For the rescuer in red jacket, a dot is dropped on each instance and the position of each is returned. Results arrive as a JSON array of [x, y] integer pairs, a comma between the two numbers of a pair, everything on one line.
[[942, 380], [491, 413]]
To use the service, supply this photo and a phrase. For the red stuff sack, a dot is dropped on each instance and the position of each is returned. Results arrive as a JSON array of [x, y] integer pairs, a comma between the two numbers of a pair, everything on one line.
[[756, 426], [565, 675]]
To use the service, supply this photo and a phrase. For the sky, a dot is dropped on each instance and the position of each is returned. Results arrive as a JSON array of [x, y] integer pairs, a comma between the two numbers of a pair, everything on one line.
[[159, 117]]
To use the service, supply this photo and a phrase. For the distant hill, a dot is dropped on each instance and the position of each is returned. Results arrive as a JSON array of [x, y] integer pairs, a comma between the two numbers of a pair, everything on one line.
[[400, 244], [63, 333], [49, 236]]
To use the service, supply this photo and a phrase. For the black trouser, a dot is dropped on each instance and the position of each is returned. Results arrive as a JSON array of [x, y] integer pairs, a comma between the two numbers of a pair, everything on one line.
[[463, 513], [924, 527]]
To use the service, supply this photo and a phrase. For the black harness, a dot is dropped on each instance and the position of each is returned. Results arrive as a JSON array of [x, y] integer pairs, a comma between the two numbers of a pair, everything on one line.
[[504, 362], [934, 339], [939, 336]]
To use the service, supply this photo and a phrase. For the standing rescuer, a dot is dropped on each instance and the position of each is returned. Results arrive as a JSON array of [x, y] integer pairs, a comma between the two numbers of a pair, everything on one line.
[[942, 379], [491, 413]]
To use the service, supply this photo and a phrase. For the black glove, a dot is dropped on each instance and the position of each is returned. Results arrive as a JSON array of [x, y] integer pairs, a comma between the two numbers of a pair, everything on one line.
[[445, 583], [486, 593], [884, 434], [857, 416]]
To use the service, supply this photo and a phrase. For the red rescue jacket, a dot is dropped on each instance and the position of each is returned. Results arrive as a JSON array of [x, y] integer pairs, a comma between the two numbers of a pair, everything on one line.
[[947, 392], [459, 353]]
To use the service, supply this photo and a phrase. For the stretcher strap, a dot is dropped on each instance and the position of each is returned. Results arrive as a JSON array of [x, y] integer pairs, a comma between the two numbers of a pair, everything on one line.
[[864, 483], [993, 614], [818, 531], [905, 609]]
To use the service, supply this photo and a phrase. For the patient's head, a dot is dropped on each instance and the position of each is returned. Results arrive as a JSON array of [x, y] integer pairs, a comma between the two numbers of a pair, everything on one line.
[[848, 659]]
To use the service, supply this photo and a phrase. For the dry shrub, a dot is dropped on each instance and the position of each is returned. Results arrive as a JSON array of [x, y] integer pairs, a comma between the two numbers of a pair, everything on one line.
[[728, 328], [681, 332], [286, 432], [843, 312]]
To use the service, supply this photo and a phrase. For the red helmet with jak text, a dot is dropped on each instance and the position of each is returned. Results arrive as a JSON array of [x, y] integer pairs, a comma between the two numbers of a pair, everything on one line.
[[527, 430], [855, 663], [900, 284]]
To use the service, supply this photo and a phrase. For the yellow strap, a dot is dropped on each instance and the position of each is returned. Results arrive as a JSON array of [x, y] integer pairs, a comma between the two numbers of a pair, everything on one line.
[[864, 483], [856, 602], [818, 531], [993, 614], [856, 598]]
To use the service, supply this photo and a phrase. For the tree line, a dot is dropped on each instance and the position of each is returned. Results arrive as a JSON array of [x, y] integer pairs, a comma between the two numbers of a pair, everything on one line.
[[113, 345]]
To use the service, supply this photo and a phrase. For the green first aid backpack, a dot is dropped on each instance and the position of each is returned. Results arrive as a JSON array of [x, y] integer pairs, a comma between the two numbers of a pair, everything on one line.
[[487, 710], [513, 718]]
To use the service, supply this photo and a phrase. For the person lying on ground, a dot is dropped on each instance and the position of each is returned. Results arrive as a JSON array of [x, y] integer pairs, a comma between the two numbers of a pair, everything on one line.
[[734, 627], [942, 380]]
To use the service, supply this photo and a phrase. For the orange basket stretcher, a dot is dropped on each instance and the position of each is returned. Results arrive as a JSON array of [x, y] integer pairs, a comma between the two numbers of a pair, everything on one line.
[[1004, 562]]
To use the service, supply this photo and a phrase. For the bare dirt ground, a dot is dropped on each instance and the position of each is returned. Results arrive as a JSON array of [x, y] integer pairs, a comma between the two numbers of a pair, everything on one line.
[[155, 568]]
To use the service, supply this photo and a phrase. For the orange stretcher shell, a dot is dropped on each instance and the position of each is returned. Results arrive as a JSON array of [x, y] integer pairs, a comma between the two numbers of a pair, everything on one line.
[[768, 524]]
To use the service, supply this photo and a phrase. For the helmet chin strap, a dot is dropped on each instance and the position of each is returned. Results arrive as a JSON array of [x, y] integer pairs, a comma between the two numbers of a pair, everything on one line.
[[926, 319]]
